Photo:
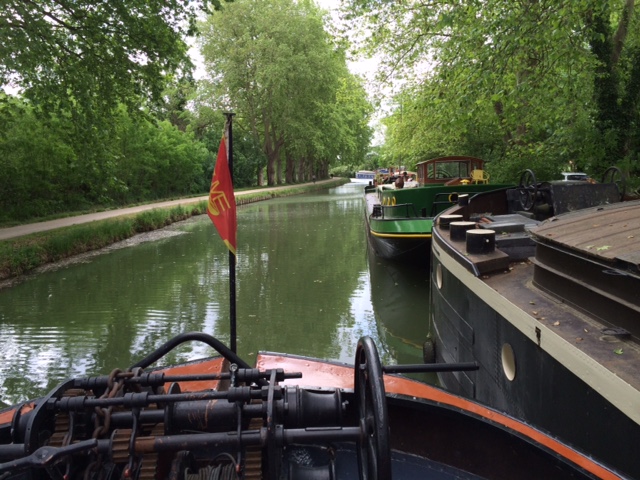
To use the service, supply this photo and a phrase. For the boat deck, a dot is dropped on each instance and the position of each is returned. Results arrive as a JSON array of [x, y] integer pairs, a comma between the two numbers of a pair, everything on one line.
[[610, 234], [584, 276]]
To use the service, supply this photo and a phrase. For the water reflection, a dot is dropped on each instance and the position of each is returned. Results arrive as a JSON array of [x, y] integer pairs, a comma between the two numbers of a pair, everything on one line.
[[303, 286], [400, 298]]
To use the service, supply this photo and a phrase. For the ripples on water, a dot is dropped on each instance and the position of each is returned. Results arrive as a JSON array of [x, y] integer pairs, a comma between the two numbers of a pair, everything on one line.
[[304, 286]]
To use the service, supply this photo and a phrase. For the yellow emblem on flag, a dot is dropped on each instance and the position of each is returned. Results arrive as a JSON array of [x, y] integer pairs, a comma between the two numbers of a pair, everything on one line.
[[218, 201]]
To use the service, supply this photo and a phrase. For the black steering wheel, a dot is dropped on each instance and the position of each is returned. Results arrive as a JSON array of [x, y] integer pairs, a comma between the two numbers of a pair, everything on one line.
[[615, 175], [527, 190], [374, 449]]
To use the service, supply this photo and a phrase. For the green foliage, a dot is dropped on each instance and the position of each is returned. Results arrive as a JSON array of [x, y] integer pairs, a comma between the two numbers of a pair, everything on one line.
[[158, 161], [44, 170], [87, 57], [274, 63], [89, 73], [102, 116], [549, 84], [23, 254], [343, 171], [37, 162]]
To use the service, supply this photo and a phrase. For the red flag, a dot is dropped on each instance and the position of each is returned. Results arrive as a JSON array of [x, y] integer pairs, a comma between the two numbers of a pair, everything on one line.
[[222, 202]]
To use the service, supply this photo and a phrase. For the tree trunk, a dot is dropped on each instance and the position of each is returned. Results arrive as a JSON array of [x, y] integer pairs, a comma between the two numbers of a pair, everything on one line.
[[300, 169], [272, 145], [290, 174], [611, 120], [279, 170]]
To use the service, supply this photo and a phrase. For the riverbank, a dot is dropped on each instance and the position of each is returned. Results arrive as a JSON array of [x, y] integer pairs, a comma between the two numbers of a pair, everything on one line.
[[27, 247]]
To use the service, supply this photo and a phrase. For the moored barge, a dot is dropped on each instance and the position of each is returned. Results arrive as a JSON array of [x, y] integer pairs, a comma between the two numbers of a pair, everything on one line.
[[541, 286], [399, 217]]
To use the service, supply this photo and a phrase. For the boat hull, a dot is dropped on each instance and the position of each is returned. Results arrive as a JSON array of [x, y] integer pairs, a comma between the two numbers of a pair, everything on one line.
[[530, 350], [399, 222], [433, 433], [291, 417], [400, 247]]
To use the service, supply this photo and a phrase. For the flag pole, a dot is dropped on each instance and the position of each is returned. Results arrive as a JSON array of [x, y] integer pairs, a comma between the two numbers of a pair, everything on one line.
[[232, 257]]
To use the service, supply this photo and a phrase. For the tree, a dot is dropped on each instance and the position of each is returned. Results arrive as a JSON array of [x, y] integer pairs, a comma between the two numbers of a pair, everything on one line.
[[536, 76], [614, 37], [78, 62], [93, 54], [274, 64]]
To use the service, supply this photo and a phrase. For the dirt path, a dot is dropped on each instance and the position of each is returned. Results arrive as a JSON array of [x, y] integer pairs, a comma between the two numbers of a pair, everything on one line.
[[28, 229]]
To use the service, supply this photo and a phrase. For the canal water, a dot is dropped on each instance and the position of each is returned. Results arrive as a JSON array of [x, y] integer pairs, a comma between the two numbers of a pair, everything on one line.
[[306, 284]]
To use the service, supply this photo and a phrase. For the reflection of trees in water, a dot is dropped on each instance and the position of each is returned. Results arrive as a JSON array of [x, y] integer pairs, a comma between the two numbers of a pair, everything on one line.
[[304, 279], [400, 298], [301, 261]]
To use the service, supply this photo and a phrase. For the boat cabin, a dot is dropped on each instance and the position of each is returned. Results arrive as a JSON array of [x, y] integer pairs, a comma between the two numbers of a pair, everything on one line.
[[451, 170]]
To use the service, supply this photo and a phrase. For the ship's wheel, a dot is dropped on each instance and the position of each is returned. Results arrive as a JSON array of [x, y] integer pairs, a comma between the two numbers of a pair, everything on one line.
[[374, 450], [527, 190]]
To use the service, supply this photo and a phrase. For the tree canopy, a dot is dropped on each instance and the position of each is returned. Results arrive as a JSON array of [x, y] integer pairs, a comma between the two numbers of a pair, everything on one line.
[[551, 84], [105, 112], [274, 63], [108, 111], [91, 55]]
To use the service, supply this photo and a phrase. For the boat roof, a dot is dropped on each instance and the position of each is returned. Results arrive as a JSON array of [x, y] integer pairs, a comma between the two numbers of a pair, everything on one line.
[[452, 158], [609, 233], [580, 289]]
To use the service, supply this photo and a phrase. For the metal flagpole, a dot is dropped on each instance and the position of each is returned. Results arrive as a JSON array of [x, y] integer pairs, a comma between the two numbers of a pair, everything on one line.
[[232, 257]]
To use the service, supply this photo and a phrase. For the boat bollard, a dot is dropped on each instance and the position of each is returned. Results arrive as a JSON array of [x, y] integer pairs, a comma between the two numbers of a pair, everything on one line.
[[481, 241], [458, 230], [445, 220]]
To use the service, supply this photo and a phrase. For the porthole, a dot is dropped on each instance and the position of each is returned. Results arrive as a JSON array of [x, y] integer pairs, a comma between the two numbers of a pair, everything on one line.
[[508, 362], [439, 276]]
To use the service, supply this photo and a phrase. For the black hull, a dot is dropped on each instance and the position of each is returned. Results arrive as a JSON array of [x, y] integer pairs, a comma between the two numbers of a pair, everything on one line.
[[544, 392]]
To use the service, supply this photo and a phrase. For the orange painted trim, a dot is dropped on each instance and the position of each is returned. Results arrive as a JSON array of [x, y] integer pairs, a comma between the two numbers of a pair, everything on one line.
[[206, 367], [7, 416], [322, 374]]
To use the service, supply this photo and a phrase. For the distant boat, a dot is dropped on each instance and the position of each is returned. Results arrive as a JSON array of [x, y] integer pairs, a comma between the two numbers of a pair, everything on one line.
[[364, 176], [290, 417], [399, 220], [540, 284]]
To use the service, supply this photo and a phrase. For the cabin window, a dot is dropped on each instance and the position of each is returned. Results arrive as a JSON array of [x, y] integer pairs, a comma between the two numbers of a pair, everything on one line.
[[449, 169], [508, 362]]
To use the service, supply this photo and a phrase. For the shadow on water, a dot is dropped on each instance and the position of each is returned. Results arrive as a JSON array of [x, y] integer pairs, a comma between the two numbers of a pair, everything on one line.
[[400, 299]]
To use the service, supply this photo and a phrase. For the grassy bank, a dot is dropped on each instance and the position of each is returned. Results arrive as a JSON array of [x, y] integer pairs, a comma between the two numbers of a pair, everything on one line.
[[20, 255]]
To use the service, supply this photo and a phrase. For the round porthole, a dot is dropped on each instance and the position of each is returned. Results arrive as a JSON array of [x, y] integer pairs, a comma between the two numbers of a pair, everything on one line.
[[439, 276], [508, 361]]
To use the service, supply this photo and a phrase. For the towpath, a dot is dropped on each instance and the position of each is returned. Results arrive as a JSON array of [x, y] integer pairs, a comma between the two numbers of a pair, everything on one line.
[[28, 229]]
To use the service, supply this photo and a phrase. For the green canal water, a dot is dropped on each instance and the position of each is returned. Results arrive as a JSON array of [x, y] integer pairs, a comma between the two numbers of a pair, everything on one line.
[[306, 284]]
